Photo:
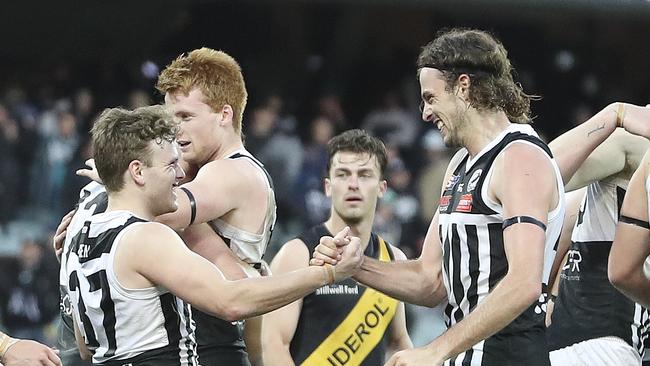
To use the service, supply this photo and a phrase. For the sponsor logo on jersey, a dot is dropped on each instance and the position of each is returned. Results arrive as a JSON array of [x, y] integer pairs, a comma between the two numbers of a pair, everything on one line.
[[573, 261], [452, 182], [465, 203], [338, 290], [367, 325], [444, 203], [473, 180]]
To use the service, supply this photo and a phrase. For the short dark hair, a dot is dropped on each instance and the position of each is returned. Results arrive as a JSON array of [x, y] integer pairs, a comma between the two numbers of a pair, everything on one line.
[[120, 136], [480, 55], [358, 141]]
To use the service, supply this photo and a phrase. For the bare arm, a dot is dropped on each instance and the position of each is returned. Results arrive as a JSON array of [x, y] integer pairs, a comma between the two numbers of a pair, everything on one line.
[[631, 244], [215, 194], [84, 352], [519, 168], [202, 240], [200, 283], [279, 326], [414, 281], [573, 147], [23, 352], [573, 202], [398, 337]]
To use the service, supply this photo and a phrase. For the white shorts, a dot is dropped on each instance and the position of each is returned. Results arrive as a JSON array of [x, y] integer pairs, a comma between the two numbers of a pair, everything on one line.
[[605, 351]]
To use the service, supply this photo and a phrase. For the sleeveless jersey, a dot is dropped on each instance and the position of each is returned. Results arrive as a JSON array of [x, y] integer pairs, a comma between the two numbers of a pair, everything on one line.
[[344, 323], [474, 259], [249, 247], [92, 200], [588, 306], [123, 326], [214, 334]]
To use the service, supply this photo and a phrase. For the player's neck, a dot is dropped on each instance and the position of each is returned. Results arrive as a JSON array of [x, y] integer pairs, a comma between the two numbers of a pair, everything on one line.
[[231, 143], [482, 128], [362, 229]]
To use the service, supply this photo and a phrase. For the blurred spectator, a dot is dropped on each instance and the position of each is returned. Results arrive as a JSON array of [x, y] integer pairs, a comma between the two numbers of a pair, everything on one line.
[[30, 293], [399, 208], [60, 148], [315, 206], [329, 106], [279, 150], [392, 122], [9, 180], [138, 98], [431, 178], [84, 110]]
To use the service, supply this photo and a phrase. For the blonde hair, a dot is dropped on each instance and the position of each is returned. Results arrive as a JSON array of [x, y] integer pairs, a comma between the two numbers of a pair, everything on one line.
[[215, 73]]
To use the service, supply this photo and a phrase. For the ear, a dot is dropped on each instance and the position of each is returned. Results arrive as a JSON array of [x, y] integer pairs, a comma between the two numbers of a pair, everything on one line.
[[462, 86], [135, 170], [328, 187], [383, 186], [226, 115]]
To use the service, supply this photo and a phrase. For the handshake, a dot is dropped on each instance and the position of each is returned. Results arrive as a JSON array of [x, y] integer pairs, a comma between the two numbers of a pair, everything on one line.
[[342, 252]]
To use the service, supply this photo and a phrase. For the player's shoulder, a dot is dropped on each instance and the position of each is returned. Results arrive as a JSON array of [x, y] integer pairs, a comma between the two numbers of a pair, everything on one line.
[[237, 172], [292, 255], [149, 233]]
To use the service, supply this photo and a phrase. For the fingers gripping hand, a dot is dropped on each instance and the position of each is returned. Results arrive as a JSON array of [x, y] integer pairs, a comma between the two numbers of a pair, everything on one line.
[[28, 353], [91, 172], [351, 259], [329, 250], [61, 231]]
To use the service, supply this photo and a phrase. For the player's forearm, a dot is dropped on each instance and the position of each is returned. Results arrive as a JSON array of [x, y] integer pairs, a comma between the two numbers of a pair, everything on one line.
[[634, 285], [573, 147], [277, 354], [505, 303], [255, 296], [407, 281]]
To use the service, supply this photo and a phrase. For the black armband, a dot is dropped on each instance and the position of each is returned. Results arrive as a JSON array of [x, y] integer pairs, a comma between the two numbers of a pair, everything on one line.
[[635, 222], [522, 219], [192, 204]]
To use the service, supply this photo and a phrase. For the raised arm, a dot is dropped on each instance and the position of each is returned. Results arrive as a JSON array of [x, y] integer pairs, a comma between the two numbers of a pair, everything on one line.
[[631, 245], [279, 326], [572, 148], [197, 281]]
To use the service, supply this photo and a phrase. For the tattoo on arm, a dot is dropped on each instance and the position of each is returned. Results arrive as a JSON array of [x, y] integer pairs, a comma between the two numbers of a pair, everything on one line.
[[596, 130]]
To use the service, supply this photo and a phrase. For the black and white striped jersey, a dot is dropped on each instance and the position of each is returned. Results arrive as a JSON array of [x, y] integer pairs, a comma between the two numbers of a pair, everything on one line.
[[141, 326], [588, 306], [92, 200], [470, 229]]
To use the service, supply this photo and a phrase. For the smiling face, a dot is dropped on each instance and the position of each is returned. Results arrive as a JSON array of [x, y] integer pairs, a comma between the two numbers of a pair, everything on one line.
[[354, 184], [162, 177], [199, 133], [445, 109]]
